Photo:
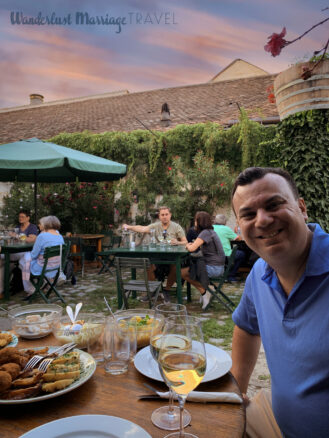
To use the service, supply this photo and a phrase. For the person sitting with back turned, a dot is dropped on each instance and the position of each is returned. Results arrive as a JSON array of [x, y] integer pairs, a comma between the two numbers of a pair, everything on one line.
[[226, 235], [173, 232], [213, 257], [284, 305], [33, 261]]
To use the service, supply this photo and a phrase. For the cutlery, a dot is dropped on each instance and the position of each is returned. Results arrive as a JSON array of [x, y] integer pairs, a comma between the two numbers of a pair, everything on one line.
[[197, 396], [109, 307], [46, 362], [37, 357]]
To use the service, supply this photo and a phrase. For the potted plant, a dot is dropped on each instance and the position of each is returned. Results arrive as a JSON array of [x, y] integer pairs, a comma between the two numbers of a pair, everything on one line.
[[304, 86]]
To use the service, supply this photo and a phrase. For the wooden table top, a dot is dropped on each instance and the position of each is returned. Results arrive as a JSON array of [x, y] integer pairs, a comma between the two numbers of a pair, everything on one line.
[[105, 394], [89, 236]]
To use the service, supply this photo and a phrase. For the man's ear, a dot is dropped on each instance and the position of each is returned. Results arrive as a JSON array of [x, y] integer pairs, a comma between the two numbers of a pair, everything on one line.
[[303, 208]]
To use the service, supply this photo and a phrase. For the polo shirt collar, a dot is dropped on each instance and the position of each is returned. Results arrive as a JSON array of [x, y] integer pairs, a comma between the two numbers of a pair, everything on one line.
[[317, 262]]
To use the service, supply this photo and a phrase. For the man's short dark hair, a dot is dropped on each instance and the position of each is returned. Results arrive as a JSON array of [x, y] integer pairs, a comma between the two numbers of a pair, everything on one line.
[[164, 207], [251, 174], [25, 211]]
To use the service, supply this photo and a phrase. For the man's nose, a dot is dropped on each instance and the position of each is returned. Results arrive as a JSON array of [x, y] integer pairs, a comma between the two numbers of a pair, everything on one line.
[[263, 218]]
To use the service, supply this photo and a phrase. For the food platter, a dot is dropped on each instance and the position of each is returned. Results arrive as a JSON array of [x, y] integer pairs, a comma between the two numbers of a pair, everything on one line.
[[88, 367], [88, 426], [219, 362]]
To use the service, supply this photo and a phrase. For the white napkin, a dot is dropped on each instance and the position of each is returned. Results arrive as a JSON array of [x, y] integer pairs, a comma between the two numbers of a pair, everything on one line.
[[198, 396]]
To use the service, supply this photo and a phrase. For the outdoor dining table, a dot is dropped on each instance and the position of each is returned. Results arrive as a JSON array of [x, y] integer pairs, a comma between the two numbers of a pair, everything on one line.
[[6, 250], [160, 254], [105, 394], [97, 237]]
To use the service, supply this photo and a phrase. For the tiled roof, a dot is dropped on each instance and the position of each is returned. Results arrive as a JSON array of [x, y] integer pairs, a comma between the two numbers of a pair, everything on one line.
[[191, 104]]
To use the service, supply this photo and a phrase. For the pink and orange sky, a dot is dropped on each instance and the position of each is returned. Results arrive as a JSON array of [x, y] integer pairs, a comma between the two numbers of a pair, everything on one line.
[[162, 43]]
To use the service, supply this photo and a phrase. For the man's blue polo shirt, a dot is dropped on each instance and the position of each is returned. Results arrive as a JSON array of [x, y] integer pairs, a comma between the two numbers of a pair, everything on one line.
[[295, 334]]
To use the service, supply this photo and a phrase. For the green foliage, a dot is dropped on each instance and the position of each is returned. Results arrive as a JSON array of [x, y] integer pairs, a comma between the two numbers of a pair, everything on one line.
[[81, 207], [148, 158], [304, 143], [203, 186], [211, 329]]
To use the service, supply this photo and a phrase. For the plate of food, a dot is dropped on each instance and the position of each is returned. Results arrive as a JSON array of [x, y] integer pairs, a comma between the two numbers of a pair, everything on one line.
[[63, 375], [8, 340], [219, 362]]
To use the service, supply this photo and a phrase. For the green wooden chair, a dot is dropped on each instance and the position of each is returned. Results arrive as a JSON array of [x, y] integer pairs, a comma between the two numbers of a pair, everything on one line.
[[216, 284], [44, 286], [106, 258], [125, 287]]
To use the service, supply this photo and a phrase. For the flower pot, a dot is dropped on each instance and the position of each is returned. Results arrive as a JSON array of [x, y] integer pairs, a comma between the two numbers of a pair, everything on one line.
[[294, 94]]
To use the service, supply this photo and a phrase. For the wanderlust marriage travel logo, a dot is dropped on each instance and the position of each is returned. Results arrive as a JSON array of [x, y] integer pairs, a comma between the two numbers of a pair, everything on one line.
[[84, 18]]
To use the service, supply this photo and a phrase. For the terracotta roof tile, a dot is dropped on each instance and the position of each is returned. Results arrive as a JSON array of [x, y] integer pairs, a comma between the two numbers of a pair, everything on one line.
[[188, 104]]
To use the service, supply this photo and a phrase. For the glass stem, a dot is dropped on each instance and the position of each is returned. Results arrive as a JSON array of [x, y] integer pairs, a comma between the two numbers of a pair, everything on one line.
[[171, 402], [181, 401]]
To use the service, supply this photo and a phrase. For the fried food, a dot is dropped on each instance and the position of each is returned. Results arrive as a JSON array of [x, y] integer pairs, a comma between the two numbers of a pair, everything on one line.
[[12, 354], [17, 385], [52, 377], [5, 339], [32, 353], [5, 380], [57, 385], [20, 394], [31, 380], [62, 368], [12, 368], [66, 359]]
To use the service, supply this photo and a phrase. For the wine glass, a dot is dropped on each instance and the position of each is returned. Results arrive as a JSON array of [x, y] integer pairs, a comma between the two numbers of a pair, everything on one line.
[[183, 364], [166, 417]]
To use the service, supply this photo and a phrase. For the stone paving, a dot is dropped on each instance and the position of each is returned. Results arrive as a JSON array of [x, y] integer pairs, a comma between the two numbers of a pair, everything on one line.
[[91, 288]]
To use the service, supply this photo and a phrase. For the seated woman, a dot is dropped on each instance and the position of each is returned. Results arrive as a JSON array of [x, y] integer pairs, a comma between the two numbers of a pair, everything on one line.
[[33, 261], [213, 259]]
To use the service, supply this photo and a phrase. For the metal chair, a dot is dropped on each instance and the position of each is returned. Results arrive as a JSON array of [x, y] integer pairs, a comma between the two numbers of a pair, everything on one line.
[[105, 257], [217, 284], [41, 281], [125, 287]]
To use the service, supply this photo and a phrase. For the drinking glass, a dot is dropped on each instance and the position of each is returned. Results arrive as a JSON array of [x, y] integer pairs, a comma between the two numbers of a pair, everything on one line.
[[166, 417], [183, 363], [116, 347]]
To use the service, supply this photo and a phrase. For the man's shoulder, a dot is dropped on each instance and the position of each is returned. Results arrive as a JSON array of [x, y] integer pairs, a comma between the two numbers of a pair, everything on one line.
[[175, 225]]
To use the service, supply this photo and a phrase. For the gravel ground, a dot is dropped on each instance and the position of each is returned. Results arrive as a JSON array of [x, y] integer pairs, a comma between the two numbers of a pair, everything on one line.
[[218, 325]]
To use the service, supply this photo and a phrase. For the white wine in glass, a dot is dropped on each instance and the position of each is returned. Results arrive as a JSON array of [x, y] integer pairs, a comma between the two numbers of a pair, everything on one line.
[[182, 368], [167, 417]]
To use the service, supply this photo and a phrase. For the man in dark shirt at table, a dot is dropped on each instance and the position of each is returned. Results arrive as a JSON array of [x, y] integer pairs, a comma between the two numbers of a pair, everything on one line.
[[176, 235], [285, 306]]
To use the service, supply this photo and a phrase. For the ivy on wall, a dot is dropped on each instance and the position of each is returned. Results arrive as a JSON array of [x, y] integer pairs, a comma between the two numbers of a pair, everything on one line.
[[303, 143]]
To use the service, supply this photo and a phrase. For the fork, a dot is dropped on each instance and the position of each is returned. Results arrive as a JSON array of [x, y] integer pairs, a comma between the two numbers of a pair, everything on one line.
[[37, 358], [46, 362]]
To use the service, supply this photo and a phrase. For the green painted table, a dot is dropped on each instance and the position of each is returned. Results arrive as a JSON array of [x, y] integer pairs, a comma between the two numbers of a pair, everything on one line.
[[160, 255], [6, 250]]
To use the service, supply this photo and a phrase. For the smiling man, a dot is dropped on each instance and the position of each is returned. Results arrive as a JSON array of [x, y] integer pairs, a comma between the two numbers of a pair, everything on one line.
[[284, 306]]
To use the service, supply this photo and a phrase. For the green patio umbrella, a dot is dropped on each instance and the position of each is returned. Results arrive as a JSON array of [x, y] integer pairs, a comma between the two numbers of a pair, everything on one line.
[[34, 160]]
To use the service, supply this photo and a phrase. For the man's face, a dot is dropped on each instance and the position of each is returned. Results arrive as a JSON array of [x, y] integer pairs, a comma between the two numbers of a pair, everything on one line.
[[22, 218], [165, 216], [271, 220]]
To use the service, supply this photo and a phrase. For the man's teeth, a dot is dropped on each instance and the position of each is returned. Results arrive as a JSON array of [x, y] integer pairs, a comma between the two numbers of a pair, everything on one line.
[[270, 235]]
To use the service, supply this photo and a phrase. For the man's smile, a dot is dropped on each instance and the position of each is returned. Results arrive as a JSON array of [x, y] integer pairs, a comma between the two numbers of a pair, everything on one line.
[[269, 236]]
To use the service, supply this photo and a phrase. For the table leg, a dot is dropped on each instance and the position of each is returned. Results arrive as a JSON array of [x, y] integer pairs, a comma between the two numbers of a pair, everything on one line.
[[7, 276], [179, 280], [133, 277], [119, 294]]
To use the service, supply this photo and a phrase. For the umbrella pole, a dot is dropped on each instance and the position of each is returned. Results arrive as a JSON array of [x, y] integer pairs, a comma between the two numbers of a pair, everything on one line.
[[35, 196]]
